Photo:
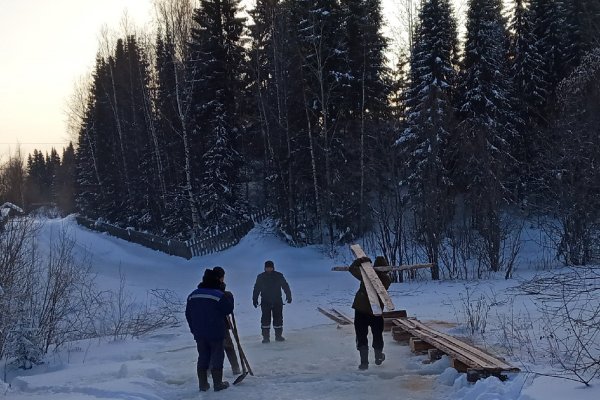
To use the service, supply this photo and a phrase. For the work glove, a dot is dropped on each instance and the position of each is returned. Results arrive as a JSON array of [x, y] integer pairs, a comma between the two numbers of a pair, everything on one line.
[[289, 300], [255, 303], [364, 260]]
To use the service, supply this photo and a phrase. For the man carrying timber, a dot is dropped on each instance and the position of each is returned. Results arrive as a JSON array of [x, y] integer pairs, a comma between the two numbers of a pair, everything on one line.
[[363, 315]]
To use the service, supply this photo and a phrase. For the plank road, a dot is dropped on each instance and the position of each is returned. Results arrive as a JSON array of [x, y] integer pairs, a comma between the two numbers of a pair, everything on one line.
[[457, 349]]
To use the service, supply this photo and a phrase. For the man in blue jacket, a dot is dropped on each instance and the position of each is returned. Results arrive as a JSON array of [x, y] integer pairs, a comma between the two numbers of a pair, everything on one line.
[[206, 309]]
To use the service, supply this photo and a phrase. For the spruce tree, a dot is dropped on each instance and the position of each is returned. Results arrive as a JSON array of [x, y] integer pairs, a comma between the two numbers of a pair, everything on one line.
[[572, 174], [65, 180], [549, 29], [582, 29], [530, 96], [482, 144], [429, 123], [367, 106], [324, 70], [217, 57]]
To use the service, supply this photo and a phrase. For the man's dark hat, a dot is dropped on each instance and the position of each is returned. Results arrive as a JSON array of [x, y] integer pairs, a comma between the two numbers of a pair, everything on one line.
[[219, 272], [380, 261], [269, 264], [210, 277]]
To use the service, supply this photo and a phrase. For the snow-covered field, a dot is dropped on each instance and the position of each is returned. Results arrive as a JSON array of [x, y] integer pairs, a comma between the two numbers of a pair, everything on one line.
[[317, 361]]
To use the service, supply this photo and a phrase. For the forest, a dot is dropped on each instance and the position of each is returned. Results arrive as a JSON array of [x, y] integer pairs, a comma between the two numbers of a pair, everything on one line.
[[445, 155]]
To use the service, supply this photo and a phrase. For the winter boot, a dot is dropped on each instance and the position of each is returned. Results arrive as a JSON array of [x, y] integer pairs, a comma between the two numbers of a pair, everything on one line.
[[203, 379], [379, 356], [218, 382], [266, 332], [278, 337], [364, 357]]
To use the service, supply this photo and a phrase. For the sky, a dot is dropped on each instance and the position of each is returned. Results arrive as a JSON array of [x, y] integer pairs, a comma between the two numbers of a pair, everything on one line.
[[318, 359], [46, 47]]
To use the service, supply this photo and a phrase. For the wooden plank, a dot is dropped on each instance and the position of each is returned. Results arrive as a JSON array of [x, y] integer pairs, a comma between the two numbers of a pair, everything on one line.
[[342, 316], [334, 317], [368, 270], [409, 267], [371, 293]]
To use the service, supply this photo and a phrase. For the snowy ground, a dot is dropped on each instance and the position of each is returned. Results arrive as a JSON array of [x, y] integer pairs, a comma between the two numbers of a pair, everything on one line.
[[317, 361]]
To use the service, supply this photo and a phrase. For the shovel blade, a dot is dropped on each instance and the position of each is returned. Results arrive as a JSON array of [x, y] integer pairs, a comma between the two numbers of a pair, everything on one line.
[[240, 378]]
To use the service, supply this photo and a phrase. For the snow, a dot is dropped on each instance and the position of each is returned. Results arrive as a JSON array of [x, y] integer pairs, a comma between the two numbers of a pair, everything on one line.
[[318, 358]]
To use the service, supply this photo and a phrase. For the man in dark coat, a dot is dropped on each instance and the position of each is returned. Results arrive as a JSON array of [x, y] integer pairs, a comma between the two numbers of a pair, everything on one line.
[[363, 315], [269, 285], [228, 343], [205, 311]]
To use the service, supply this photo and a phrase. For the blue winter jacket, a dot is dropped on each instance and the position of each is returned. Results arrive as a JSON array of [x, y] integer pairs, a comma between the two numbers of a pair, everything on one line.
[[205, 312]]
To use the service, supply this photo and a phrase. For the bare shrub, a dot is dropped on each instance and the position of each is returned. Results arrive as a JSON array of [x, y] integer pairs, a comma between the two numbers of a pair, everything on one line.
[[49, 297], [568, 302], [475, 311]]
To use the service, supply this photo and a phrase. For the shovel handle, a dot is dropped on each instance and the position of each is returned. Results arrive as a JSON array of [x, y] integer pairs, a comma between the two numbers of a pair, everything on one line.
[[243, 359]]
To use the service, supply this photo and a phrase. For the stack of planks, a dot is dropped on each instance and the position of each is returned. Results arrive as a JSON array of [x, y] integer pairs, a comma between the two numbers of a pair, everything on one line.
[[465, 357]]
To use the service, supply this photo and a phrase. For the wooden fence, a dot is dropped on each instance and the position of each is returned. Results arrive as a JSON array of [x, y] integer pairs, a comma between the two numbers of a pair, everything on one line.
[[194, 247], [226, 238], [169, 246]]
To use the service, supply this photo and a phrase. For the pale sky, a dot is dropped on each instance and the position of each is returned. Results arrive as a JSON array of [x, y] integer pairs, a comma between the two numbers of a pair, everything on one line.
[[46, 46]]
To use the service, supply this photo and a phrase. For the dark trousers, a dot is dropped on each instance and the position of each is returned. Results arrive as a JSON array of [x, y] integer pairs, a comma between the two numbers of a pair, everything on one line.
[[268, 310], [362, 322], [210, 353]]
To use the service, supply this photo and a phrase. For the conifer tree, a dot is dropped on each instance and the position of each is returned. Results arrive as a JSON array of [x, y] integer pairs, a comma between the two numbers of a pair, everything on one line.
[[549, 29], [429, 122], [65, 180], [367, 106], [173, 106], [530, 95], [324, 71], [582, 29], [482, 144], [217, 56], [572, 174]]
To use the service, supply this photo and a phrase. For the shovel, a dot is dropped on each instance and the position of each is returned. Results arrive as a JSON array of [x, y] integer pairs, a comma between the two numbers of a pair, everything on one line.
[[243, 360]]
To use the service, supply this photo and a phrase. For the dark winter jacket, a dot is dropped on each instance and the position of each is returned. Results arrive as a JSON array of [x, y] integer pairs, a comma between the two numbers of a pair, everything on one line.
[[361, 299], [205, 312], [269, 285]]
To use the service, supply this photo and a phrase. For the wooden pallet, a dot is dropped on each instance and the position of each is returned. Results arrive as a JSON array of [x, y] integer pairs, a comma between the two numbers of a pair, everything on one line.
[[465, 357]]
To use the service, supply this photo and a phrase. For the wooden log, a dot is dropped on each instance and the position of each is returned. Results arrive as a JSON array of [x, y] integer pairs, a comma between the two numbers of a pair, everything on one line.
[[419, 346], [459, 365], [389, 316], [434, 354], [400, 335], [395, 314], [408, 267]]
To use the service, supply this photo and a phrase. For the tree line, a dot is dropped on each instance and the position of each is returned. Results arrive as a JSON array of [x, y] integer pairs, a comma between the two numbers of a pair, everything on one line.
[[293, 106]]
